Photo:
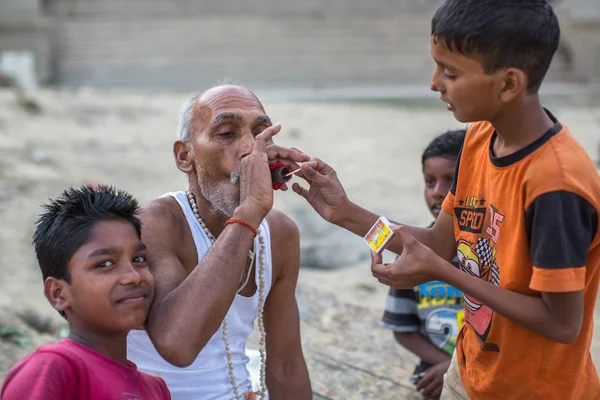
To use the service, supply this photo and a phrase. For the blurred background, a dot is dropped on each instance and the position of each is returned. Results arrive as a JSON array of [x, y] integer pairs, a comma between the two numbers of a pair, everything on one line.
[[289, 47], [90, 91]]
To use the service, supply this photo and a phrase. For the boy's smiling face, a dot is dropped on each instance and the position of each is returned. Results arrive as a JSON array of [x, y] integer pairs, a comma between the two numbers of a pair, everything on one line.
[[438, 173], [111, 287]]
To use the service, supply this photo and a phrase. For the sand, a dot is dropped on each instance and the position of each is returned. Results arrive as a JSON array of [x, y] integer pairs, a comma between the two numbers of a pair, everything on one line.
[[126, 140]]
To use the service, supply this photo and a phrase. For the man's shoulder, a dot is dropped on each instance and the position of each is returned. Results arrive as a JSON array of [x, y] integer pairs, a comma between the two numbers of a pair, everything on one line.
[[162, 208], [162, 216], [281, 224], [285, 242]]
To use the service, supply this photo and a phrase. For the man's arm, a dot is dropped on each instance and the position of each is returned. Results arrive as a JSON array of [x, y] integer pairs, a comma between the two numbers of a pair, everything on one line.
[[287, 374], [188, 309]]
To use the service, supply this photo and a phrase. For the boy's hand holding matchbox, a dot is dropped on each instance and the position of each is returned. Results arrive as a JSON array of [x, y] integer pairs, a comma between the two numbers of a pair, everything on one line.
[[379, 235]]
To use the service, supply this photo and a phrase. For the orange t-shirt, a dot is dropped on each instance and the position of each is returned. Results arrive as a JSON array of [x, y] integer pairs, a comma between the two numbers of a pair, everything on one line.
[[527, 222]]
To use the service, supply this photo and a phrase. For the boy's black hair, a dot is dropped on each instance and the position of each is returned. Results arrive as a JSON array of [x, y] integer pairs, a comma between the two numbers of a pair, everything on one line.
[[521, 34], [67, 221], [447, 144]]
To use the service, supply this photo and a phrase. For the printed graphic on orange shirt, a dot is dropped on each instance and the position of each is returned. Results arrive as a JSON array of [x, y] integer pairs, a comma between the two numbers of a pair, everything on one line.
[[471, 214], [478, 258]]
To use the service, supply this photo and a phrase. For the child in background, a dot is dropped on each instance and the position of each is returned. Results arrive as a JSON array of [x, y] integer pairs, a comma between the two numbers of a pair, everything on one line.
[[426, 319]]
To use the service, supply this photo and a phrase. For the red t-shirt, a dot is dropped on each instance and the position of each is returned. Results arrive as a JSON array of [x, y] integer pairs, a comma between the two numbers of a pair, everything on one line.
[[70, 370]]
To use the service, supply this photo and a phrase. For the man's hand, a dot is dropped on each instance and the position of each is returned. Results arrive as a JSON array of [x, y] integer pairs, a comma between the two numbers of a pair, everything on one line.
[[256, 187], [325, 193], [416, 265], [432, 380]]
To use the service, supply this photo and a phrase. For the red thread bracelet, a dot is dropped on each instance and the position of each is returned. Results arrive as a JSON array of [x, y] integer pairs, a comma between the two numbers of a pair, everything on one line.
[[241, 222]]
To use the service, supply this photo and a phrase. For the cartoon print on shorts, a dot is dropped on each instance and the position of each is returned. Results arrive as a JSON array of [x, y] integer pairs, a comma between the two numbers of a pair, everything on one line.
[[442, 326]]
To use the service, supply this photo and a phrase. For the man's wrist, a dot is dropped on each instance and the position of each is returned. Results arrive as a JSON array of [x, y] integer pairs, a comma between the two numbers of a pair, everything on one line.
[[249, 214]]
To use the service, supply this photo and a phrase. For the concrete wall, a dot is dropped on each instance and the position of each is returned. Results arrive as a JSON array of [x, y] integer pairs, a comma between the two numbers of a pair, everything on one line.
[[264, 43], [267, 44], [24, 29], [581, 28]]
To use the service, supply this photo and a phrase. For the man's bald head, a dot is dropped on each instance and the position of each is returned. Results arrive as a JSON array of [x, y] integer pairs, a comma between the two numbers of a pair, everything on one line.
[[199, 102]]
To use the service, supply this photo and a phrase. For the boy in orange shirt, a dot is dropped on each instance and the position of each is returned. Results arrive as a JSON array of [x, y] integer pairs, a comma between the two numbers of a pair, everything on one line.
[[522, 213]]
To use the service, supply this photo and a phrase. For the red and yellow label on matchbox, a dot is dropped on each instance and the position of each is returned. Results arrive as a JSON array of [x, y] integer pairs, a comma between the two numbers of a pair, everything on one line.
[[379, 234]]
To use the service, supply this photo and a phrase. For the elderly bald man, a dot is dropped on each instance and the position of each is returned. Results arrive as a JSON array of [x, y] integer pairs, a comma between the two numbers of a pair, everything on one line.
[[223, 258]]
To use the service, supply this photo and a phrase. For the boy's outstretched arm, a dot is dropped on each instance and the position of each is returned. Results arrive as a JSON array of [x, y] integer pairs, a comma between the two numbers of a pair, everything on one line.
[[554, 315], [328, 197]]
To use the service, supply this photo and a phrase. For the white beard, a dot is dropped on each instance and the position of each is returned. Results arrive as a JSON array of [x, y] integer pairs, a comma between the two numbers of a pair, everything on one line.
[[225, 200]]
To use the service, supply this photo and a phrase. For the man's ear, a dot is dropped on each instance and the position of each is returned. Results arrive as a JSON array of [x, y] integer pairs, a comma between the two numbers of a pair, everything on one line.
[[183, 156], [514, 82], [57, 291]]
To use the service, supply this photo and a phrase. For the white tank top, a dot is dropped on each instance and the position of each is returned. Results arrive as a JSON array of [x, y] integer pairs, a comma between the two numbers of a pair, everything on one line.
[[208, 376]]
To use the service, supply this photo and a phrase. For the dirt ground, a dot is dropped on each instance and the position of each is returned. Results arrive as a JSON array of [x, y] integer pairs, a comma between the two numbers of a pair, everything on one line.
[[126, 140]]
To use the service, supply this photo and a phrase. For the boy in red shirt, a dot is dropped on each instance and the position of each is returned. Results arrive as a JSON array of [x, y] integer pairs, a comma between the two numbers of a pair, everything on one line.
[[95, 273]]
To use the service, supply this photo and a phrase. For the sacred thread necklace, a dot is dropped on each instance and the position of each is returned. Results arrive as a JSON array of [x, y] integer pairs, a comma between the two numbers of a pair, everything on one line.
[[261, 305]]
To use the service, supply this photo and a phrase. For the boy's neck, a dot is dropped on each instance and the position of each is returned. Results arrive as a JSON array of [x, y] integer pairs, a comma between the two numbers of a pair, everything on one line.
[[111, 345], [520, 126]]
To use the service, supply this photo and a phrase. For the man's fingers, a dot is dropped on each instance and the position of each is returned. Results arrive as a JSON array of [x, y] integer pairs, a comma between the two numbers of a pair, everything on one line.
[[283, 153], [299, 151], [265, 137]]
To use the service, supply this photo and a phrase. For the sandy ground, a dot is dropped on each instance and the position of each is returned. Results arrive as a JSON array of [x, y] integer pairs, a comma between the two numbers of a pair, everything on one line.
[[126, 140]]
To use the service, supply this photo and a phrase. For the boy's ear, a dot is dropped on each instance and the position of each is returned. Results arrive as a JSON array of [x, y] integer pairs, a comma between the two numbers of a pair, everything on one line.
[[183, 156], [514, 82], [58, 294]]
